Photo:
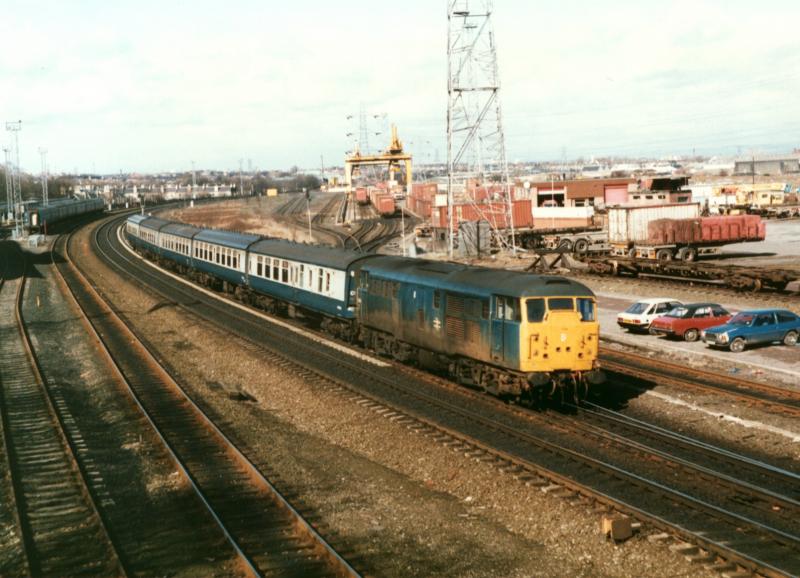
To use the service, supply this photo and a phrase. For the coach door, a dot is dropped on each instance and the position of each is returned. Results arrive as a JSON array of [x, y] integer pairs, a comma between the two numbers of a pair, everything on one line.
[[498, 328]]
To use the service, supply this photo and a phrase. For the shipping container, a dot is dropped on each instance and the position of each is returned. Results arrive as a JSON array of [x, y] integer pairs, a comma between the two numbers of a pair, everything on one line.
[[272, 192], [707, 231], [384, 204], [361, 196], [629, 224]]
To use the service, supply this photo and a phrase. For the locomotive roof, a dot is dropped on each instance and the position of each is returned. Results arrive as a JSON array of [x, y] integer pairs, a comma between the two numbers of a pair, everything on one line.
[[227, 238], [312, 254], [470, 279]]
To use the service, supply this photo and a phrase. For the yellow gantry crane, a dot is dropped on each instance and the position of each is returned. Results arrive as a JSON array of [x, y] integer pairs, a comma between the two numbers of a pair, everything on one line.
[[393, 157]]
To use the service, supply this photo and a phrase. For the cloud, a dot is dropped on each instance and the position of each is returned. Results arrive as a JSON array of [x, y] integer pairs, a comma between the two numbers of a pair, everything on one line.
[[153, 85]]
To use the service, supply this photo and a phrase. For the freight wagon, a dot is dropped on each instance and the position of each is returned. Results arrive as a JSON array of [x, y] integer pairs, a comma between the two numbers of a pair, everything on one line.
[[676, 231]]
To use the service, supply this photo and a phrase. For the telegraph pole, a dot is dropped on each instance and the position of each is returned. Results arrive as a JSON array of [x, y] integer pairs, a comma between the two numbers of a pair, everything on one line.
[[241, 182], [16, 186], [43, 152]]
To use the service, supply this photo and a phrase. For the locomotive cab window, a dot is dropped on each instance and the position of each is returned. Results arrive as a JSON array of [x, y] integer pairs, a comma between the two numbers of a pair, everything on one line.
[[507, 308], [561, 304], [535, 309], [586, 308]]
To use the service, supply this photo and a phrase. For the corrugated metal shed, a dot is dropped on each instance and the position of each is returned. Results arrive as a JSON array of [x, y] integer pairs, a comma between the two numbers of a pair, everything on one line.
[[473, 280], [227, 238], [312, 254]]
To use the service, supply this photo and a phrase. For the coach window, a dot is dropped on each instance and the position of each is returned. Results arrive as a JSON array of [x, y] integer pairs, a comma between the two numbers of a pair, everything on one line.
[[327, 282], [276, 269], [260, 267], [285, 271], [586, 308], [301, 275], [319, 281], [310, 277]]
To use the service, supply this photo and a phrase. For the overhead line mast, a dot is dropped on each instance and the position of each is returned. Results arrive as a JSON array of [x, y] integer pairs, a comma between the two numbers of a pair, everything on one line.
[[475, 139]]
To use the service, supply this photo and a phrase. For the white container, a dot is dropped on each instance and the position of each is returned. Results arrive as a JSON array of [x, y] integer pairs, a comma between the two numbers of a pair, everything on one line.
[[563, 212], [440, 200], [628, 225]]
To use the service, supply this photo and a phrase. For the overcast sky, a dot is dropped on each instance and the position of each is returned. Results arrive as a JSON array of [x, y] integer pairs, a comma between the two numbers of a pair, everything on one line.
[[150, 86]]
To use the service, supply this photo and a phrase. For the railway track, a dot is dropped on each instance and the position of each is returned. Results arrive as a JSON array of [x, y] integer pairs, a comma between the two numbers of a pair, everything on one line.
[[738, 535], [62, 532], [266, 531], [658, 371]]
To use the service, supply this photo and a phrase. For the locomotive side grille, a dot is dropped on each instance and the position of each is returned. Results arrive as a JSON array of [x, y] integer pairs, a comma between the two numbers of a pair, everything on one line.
[[473, 331], [455, 305], [454, 327]]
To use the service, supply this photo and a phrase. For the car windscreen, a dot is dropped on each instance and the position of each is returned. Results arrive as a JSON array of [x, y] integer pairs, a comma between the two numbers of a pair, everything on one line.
[[637, 308], [741, 319], [678, 312]]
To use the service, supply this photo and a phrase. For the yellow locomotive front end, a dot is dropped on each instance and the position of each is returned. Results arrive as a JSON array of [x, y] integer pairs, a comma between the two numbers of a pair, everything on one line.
[[559, 342]]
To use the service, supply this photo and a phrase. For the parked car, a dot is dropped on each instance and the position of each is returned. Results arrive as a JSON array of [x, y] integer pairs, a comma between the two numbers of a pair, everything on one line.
[[753, 327], [638, 316], [687, 321]]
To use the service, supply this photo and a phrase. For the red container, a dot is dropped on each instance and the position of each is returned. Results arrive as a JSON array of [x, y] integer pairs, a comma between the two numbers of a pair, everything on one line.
[[384, 204], [361, 196], [706, 231]]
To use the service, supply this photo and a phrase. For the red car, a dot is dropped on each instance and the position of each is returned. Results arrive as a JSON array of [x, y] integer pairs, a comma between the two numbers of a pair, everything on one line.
[[687, 321]]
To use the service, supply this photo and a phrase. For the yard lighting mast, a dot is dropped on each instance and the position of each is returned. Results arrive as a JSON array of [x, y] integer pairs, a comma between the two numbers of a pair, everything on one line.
[[9, 190], [43, 153], [475, 139], [16, 188]]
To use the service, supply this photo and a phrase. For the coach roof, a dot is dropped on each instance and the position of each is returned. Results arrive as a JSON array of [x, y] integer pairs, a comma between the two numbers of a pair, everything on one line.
[[154, 223], [460, 278], [181, 230], [312, 254], [226, 238]]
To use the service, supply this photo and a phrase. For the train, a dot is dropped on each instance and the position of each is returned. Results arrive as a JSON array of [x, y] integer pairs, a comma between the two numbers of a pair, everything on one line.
[[42, 217], [512, 334]]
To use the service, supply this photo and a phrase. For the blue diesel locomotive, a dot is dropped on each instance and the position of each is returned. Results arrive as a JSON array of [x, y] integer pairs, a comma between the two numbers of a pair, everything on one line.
[[510, 333]]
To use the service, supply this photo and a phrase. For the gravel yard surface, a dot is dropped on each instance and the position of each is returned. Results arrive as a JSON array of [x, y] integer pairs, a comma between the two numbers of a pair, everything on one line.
[[402, 503], [253, 215], [154, 515]]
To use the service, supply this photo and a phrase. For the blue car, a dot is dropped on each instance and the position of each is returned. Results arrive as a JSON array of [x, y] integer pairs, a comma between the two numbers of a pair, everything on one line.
[[760, 326]]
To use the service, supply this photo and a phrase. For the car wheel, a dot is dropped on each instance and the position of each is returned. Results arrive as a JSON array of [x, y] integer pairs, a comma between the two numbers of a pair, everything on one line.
[[690, 335], [790, 338], [652, 330], [737, 345]]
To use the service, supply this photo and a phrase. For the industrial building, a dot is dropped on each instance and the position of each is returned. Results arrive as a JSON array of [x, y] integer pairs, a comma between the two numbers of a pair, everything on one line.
[[768, 165]]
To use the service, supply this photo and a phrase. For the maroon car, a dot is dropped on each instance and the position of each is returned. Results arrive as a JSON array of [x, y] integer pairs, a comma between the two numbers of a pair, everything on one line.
[[687, 321]]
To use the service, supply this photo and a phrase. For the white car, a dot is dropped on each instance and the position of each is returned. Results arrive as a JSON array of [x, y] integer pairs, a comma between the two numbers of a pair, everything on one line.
[[640, 315]]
